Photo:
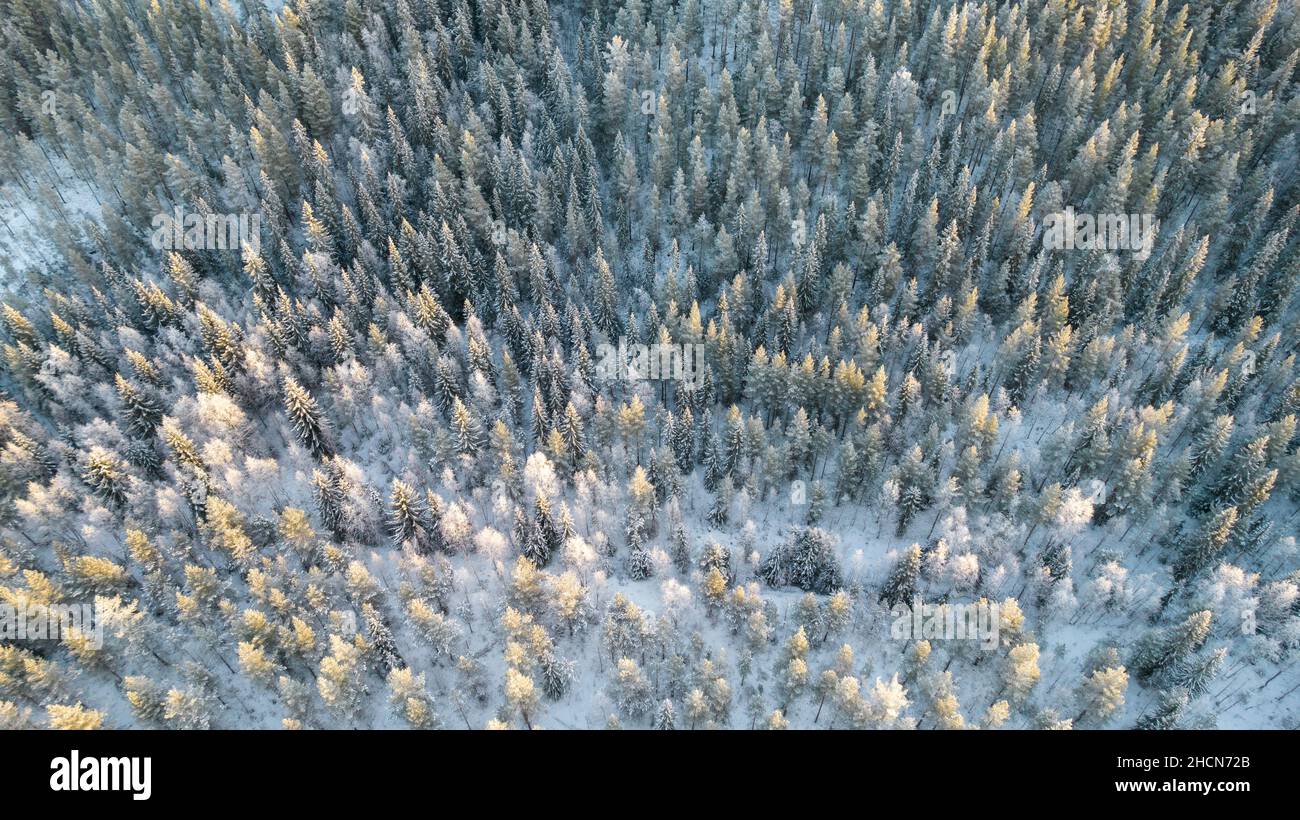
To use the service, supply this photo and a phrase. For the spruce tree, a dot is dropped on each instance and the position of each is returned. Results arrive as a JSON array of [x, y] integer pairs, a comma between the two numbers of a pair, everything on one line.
[[306, 418]]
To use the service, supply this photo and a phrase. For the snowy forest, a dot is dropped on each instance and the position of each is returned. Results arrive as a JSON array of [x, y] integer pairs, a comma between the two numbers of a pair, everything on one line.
[[649, 364]]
